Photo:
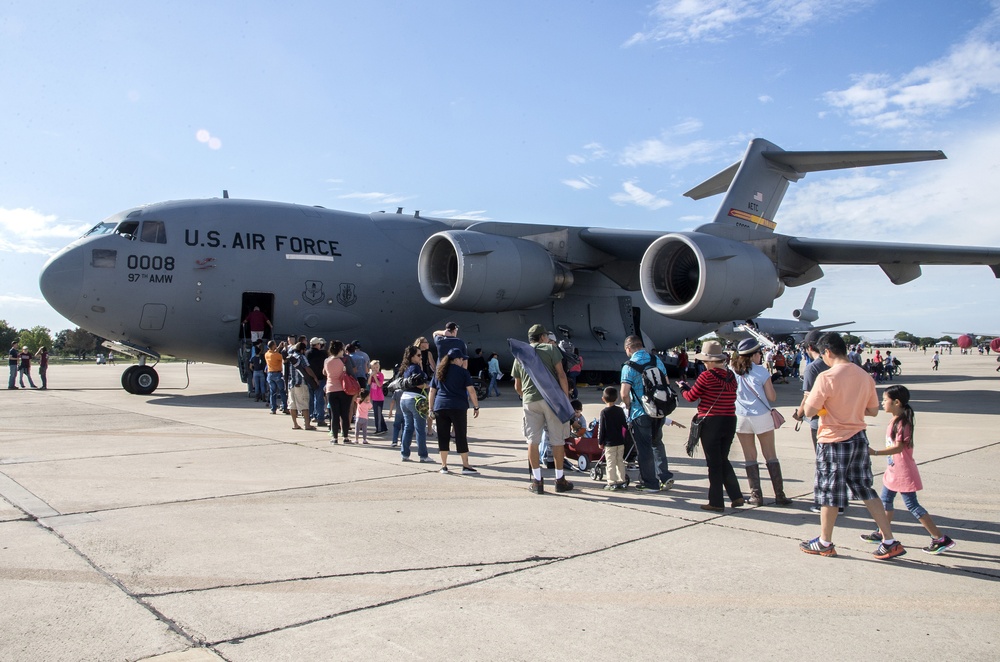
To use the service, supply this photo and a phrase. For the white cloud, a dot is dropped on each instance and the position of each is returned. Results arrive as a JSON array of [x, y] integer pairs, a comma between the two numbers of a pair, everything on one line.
[[580, 183], [374, 197], [634, 195], [31, 231], [685, 21], [664, 151], [765, 98], [594, 152], [879, 101]]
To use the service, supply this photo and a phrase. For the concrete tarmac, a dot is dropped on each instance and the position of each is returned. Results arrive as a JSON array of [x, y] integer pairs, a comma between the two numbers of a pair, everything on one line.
[[192, 525]]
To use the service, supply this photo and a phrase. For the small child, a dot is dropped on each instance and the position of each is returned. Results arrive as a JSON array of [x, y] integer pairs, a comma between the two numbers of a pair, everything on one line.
[[901, 475], [361, 424], [611, 438], [578, 428]]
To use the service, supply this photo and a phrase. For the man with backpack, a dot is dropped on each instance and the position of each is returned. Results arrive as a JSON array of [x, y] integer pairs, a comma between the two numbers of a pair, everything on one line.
[[645, 430]]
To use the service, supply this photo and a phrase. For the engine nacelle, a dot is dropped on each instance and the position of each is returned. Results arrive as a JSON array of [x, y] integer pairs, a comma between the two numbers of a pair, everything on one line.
[[703, 278], [486, 273], [805, 314]]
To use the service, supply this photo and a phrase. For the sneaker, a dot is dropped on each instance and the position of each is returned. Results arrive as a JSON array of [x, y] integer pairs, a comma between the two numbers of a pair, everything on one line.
[[536, 486], [611, 488], [642, 487], [874, 536], [889, 551], [666, 485], [939, 545], [816, 508], [405, 459], [563, 485], [469, 471], [425, 459], [814, 546], [443, 470], [334, 441]]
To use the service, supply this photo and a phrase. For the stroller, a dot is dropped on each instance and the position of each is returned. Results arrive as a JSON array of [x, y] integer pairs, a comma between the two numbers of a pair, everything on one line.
[[599, 467]]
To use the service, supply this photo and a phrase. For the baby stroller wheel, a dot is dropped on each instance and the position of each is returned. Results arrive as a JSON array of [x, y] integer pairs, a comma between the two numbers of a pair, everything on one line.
[[600, 472], [593, 473], [627, 480], [582, 462]]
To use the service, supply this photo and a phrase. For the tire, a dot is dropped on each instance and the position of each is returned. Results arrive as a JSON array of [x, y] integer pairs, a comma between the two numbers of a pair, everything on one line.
[[144, 380], [127, 378], [582, 462]]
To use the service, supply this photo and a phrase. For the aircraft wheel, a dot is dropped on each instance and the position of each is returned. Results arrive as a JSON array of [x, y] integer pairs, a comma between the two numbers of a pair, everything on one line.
[[144, 380], [127, 378]]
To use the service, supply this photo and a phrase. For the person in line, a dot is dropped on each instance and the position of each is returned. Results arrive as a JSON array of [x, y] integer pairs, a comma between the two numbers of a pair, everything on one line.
[[754, 393], [715, 392], [814, 368], [339, 402], [414, 422], [13, 356], [901, 475], [538, 415], [316, 356], [446, 339], [43, 366], [494, 369], [363, 407], [428, 363], [376, 380], [298, 385], [646, 432], [450, 394], [477, 364], [275, 383], [25, 367], [258, 370], [611, 438], [257, 322], [842, 397]]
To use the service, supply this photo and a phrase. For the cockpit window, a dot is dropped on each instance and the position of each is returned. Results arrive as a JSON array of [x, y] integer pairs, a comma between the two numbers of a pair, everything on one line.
[[128, 229], [101, 228], [153, 232]]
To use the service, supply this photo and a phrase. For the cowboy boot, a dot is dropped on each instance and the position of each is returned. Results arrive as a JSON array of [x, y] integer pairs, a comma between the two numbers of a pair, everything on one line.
[[753, 477], [774, 468]]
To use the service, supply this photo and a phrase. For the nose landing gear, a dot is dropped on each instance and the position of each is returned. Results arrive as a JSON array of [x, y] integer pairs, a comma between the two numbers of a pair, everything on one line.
[[137, 379]]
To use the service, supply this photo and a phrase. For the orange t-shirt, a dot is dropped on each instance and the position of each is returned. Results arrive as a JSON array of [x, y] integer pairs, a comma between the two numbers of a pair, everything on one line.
[[842, 394], [273, 361]]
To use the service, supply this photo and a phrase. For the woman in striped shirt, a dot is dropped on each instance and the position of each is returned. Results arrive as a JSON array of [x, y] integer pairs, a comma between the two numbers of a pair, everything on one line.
[[715, 391]]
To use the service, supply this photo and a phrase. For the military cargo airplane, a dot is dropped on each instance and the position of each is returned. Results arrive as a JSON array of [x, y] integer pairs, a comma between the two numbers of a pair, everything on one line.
[[179, 277]]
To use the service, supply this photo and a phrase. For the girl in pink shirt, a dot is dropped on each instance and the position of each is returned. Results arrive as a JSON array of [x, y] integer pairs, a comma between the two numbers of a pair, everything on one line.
[[901, 475], [361, 424]]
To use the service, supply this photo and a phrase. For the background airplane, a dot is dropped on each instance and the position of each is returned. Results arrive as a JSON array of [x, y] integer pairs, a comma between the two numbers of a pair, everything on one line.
[[178, 277], [781, 330]]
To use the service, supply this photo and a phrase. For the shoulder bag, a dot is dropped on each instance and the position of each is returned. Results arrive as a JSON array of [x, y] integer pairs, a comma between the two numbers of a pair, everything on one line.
[[776, 416]]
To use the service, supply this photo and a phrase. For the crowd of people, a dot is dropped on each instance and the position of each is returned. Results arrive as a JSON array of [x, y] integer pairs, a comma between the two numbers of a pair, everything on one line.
[[19, 360]]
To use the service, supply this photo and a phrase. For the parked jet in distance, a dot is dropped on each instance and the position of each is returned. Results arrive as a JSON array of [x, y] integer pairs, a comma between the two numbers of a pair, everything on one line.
[[179, 277], [781, 330]]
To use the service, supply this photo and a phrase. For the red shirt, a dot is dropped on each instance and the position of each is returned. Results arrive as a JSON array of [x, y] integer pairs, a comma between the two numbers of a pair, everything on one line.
[[715, 391]]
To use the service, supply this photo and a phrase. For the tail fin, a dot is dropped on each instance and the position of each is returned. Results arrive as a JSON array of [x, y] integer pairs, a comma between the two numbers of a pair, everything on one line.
[[756, 185], [807, 313]]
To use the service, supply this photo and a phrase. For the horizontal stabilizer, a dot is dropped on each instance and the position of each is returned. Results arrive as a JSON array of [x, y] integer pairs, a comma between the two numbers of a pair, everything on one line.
[[818, 161]]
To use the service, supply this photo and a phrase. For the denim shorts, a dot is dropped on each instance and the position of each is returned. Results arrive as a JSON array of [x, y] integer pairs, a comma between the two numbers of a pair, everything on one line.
[[841, 466]]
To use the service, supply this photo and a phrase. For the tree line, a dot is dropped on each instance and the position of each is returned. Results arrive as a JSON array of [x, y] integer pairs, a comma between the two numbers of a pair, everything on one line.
[[68, 342]]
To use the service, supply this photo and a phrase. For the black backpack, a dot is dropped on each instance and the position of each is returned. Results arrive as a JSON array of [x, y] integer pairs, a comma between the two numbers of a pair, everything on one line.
[[658, 399]]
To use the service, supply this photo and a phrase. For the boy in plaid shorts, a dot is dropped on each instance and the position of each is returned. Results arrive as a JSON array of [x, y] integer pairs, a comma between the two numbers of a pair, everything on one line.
[[842, 396]]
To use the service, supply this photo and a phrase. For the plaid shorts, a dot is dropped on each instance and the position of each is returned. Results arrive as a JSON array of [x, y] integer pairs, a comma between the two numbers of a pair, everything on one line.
[[842, 465]]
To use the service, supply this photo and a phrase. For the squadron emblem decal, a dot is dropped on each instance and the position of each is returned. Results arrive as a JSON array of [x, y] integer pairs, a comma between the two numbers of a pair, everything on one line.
[[313, 293], [347, 296]]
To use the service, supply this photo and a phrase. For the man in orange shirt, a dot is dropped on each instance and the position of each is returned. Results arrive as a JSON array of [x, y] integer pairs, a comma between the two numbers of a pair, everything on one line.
[[842, 396]]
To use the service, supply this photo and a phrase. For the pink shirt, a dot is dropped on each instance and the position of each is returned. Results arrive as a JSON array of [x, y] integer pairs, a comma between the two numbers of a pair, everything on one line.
[[334, 368], [363, 409], [901, 474]]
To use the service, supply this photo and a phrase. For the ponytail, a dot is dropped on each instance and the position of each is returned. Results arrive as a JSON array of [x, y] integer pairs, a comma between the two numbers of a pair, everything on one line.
[[906, 417]]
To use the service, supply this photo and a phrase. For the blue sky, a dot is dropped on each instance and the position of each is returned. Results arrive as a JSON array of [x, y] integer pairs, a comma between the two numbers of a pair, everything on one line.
[[599, 113]]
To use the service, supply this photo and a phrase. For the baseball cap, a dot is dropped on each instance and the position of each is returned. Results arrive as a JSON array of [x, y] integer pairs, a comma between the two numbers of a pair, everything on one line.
[[537, 330]]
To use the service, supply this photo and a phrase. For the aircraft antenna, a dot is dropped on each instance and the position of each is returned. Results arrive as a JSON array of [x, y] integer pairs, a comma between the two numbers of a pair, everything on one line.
[[225, 194], [399, 210]]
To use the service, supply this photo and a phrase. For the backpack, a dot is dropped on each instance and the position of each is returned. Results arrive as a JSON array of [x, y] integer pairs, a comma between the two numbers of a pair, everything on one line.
[[658, 399]]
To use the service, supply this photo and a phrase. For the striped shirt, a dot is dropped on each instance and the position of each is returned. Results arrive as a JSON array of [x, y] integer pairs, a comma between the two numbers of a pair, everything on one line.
[[715, 390]]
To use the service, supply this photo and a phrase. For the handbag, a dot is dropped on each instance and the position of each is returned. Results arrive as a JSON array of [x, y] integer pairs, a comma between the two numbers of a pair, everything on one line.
[[776, 416], [349, 383], [694, 434]]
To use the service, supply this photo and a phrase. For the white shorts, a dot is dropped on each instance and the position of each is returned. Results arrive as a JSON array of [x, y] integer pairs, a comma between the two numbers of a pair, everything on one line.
[[539, 416], [755, 424], [298, 398]]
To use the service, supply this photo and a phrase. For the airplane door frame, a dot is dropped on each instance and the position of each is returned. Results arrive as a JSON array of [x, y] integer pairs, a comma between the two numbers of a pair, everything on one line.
[[265, 300]]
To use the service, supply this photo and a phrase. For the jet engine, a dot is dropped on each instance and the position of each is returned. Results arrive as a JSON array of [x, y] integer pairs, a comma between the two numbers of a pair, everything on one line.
[[475, 271], [703, 278], [805, 314]]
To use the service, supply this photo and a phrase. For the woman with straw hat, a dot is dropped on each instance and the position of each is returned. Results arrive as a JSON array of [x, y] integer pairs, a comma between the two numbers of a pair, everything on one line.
[[715, 391]]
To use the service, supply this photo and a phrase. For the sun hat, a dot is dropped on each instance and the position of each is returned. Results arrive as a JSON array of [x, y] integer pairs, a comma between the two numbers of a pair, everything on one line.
[[711, 350]]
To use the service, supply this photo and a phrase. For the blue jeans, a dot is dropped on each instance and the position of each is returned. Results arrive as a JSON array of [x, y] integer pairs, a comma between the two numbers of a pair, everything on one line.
[[317, 403], [412, 421], [397, 425], [909, 500], [377, 406], [259, 383], [276, 384], [13, 376], [647, 436], [493, 389]]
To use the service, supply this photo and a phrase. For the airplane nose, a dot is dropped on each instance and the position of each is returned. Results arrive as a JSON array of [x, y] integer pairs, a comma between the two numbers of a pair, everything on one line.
[[61, 281]]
